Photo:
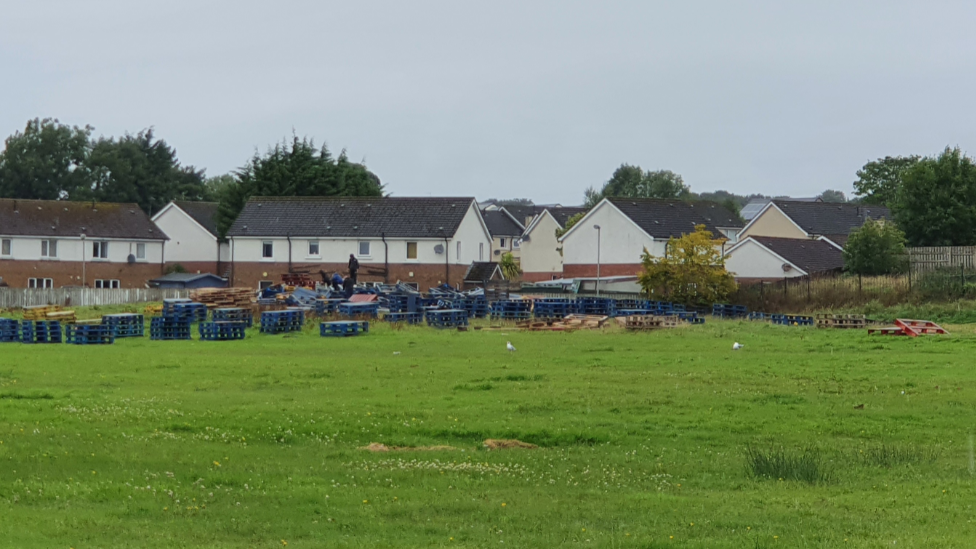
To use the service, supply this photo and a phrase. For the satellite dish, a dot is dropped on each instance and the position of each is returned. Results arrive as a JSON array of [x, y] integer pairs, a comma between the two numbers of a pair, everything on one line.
[[131, 259], [787, 267], [439, 249]]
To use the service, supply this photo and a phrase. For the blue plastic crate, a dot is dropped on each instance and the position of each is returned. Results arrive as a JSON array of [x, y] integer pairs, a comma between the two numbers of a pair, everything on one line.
[[233, 314], [89, 334], [41, 331], [344, 328], [222, 330], [362, 309], [169, 329], [409, 318]]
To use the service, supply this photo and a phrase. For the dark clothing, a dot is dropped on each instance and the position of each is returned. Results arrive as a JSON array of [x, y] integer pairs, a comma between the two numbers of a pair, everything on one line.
[[353, 269], [347, 287]]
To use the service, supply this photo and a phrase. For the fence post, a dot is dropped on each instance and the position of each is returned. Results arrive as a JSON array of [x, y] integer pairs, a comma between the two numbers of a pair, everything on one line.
[[762, 294], [808, 287], [858, 283]]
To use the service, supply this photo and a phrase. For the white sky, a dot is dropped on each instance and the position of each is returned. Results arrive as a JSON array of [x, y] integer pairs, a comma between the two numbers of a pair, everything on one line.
[[510, 98]]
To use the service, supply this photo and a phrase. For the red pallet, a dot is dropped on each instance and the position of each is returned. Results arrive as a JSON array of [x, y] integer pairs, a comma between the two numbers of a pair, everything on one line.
[[916, 328]]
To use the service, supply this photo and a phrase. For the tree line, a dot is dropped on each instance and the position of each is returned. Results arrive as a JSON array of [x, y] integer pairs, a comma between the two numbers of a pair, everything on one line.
[[49, 160]]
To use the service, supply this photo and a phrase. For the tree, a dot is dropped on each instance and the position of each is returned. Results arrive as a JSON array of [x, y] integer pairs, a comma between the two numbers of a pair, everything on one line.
[[510, 267], [48, 161], [573, 220], [832, 196], [216, 186], [142, 169], [692, 270], [878, 181], [295, 169], [632, 181], [936, 202], [511, 201], [875, 248]]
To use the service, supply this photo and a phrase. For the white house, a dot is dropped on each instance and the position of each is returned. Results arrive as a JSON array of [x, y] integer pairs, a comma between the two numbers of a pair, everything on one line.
[[619, 229], [52, 243], [541, 257], [425, 241], [505, 233], [768, 258], [193, 239], [805, 219]]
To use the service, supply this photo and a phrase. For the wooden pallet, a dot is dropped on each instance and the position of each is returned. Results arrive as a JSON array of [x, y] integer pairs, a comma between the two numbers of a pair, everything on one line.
[[840, 321], [915, 328], [887, 331], [66, 317], [649, 322], [223, 298], [40, 312]]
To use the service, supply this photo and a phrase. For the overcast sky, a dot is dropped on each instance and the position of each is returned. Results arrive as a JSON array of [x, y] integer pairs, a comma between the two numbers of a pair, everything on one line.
[[511, 98]]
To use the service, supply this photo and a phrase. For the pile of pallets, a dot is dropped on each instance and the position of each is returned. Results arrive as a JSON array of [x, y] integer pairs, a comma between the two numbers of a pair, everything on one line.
[[409, 318], [691, 317], [9, 330], [791, 320], [447, 318], [222, 330], [126, 325], [841, 321], [597, 306], [328, 305], [233, 314], [514, 309], [89, 334], [64, 317], [297, 279], [361, 309], [568, 323], [721, 310], [554, 308], [152, 310], [911, 328], [343, 328], [40, 312], [278, 322], [223, 297], [649, 322], [41, 331], [184, 309], [164, 328]]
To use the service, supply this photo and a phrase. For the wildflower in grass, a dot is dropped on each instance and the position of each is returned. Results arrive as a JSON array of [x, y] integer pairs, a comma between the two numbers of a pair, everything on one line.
[[365, 501], [503, 504], [283, 542], [216, 464]]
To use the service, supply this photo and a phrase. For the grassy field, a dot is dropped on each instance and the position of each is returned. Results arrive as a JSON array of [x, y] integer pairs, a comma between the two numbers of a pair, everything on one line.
[[646, 440]]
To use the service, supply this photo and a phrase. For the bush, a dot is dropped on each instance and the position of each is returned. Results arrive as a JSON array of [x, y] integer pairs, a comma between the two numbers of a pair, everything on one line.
[[876, 248], [807, 465]]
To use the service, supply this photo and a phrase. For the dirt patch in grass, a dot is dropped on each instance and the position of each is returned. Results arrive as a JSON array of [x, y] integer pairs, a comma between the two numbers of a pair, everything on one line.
[[377, 447], [505, 444]]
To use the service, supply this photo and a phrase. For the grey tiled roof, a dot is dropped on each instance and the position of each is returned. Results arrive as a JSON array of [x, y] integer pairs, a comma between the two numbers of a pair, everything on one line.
[[501, 224], [825, 218], [480, 271], [204, 213], [813, 256], [662, 218], [183, 277], [351, 217], [562, 215], [57, 218]]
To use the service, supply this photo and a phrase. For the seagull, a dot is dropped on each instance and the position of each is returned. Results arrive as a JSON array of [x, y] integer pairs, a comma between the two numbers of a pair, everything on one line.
[[395, 353], [511, 348], [737, 346]]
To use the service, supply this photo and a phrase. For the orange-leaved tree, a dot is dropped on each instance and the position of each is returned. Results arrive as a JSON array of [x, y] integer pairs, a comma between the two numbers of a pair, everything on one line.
[[691, 271]]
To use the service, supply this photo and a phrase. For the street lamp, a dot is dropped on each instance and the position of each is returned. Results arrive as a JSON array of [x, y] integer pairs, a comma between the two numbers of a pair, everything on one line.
[[597, 227]]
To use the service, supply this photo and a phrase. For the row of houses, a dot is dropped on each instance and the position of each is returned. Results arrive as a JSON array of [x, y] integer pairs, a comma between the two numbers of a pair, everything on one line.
[[421, 241]]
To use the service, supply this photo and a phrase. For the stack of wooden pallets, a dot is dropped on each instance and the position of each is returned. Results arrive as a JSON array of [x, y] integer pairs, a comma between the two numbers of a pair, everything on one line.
[[911, 328], [40, 312], [649, 322], [570, 322], [219, 298], [841, 321]]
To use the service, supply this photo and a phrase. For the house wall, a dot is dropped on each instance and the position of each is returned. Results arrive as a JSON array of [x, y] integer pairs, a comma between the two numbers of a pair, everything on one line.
[[622, 242], [497, 250], [753, 261], [540, 256], [772, 222], [188, 241]]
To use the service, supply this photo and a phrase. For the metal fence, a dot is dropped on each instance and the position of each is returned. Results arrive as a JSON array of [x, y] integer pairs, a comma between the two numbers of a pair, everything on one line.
[[13, 298]]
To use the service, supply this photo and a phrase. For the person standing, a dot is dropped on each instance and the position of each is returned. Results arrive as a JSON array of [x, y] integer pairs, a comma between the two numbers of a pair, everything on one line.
[[353, 268]]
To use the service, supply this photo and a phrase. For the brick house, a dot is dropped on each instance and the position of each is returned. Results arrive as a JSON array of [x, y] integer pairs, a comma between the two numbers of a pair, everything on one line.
[[193, 239], [425, 241], [51, 243]]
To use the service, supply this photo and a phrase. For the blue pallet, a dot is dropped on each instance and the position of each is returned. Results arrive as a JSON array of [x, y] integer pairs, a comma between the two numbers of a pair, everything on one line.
[[554, 308], [324, 306], [9, 330], [277, 322], [343, 328], [447, 318], [41, 331], [720, 310], [89, 334], [409, 318], [597, 306], [636, 312], [126, 325], [222, 330], [233, 314], [758, 316], [169, 329], [791, 320], [690, 317], [360, 309]]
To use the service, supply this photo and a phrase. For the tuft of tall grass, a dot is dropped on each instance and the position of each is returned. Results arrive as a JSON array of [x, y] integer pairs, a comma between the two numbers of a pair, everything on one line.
[[806, 465], [889, 455]]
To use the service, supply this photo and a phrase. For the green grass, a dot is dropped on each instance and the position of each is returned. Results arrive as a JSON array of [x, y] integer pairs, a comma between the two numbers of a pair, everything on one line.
[[654, 440]]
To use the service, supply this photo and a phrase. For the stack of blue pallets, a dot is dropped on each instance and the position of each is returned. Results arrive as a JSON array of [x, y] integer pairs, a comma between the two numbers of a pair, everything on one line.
[[327, 305], [344, 328], [690, 317], [89, 334], [477, 306], [554, 308], [409, 318], [447, 318], [597, 306], [41, 331], [369, 309], [126, 325], [515, 309], [754, 315], [162, 328], [791, 320], [9, 330], [277, 322], [721, 310], [233, 314], [224, 330]]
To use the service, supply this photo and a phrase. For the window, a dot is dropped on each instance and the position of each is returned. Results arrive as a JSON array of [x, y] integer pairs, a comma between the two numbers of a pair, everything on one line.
[[107, 284], [267, 249], [99, 250], [141, 251], [481, 251], [411, 250], [40, 283], [364, 249], [313, 247], [5, 247], [501, 242], [265, 284], [49, 248], [457, 256], [516, 243]]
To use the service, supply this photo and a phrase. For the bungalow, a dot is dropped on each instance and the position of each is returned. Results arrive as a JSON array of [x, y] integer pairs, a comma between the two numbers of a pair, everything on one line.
[[193, 239], [505, 232], [541, 257], [52, 243], [758, 258], [425, 241], [619, 229], [801, 219]]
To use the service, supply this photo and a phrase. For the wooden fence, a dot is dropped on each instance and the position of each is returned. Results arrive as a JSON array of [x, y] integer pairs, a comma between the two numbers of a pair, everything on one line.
[[934, 258], [12, 298]]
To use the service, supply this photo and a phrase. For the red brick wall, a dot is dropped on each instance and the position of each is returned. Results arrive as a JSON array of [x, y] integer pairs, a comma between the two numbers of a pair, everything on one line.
[[539, 277], [589, 270], [202, 266], [69, 273], [249, 274]]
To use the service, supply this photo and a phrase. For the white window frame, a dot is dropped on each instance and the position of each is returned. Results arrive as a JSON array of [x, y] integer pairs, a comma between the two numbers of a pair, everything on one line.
[[107, 284], [102, 250], [416, 251], [369, 247], [316, 253], [49, 249], [6, 247], [44, 283], [141, 251], [267, 243], [501, 242], [516, 244]]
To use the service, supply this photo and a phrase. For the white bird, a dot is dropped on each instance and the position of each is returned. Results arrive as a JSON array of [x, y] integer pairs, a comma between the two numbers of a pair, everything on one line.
[[511, 348], [737, 346], [395, 353]]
